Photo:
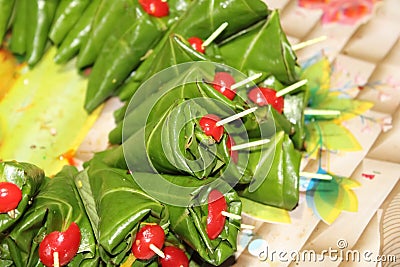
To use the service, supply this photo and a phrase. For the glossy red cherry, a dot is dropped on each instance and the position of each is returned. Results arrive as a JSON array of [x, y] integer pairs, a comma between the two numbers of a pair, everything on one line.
[[234, 154], [209, 127], [266, 96], [174, 257], [197, 44], [222, 83], [215, 219], [156, 8], [10, 196], [147, 235], [65, 243]]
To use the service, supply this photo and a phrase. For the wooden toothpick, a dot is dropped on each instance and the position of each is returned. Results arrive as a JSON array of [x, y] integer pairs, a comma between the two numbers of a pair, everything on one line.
[[157, 251], [236, 116], [56, 260], [313, 175], [215, 34], [250, 144], [245, 81], [321, 112], [291, 88], [301, 45], [231, 215]]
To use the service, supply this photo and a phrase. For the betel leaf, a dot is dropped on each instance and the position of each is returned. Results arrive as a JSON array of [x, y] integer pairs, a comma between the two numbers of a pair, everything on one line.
[[57, 205], [277, 185], [124, 49], [6, 10], [121, 207], [262, 48], [201, 19], [28, 178], [189, 223]]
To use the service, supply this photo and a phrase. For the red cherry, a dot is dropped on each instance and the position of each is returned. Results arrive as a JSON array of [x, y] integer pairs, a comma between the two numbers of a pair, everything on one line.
[[174, 257], [209, 127], [147, 235], [197, 44], [65, 243], [222, 83], [215, 220], [266, 96], [10, 196], [156, 8], [234, 154]]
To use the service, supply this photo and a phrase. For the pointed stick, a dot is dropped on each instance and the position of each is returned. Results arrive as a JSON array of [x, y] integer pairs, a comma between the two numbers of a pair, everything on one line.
[[129, 261], [291, 88], [12, 214], [157, 251], [250, 144], [56, 260], [321, 112], [231, 215], [319, 176], [301, 45], [247, 227], [236, 116], [247, 80], [215, 34]]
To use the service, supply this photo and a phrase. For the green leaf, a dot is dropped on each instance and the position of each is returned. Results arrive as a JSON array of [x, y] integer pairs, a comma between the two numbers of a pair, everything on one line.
[[28, 178], [262, 48], [40, 129], [57, 205]]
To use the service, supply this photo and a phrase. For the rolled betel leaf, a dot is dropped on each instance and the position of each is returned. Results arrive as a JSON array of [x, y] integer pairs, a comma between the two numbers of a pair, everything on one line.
[[118, 208], [195, 224], [56, 211], [24, 177], [277, 185]]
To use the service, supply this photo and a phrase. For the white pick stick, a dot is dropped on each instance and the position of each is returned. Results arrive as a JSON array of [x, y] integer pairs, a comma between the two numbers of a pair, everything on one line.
[[231, 215], [291, 88], [236, 116], [250, 144], [248, 227], [247, 80], [301, 45], [56, 260], [12, 214], [312, 175], [215, 34], [157, 251], [321, 112]]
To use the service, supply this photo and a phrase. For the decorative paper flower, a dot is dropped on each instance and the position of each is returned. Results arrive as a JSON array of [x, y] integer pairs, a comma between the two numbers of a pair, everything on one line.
[[341, 11]]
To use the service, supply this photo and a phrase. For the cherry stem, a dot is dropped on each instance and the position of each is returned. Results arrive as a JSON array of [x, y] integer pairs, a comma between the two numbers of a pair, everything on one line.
[[312, 175], [247, 80], [231, 215], [291, 88], [215, 34], [56, 261], [236, 116], [321, 112], [157, 251], [301, 45], [250, 144]]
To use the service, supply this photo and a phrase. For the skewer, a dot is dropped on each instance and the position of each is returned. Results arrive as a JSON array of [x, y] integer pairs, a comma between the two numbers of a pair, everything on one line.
[[231, 215], [12, 214], [157, 251], [247, 227], [247, 80], [236, 116], [301, 45], [291, 88], [321, 112], [56, 260], [250, 144], [319, 176], [215, 34], [129, 261]]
